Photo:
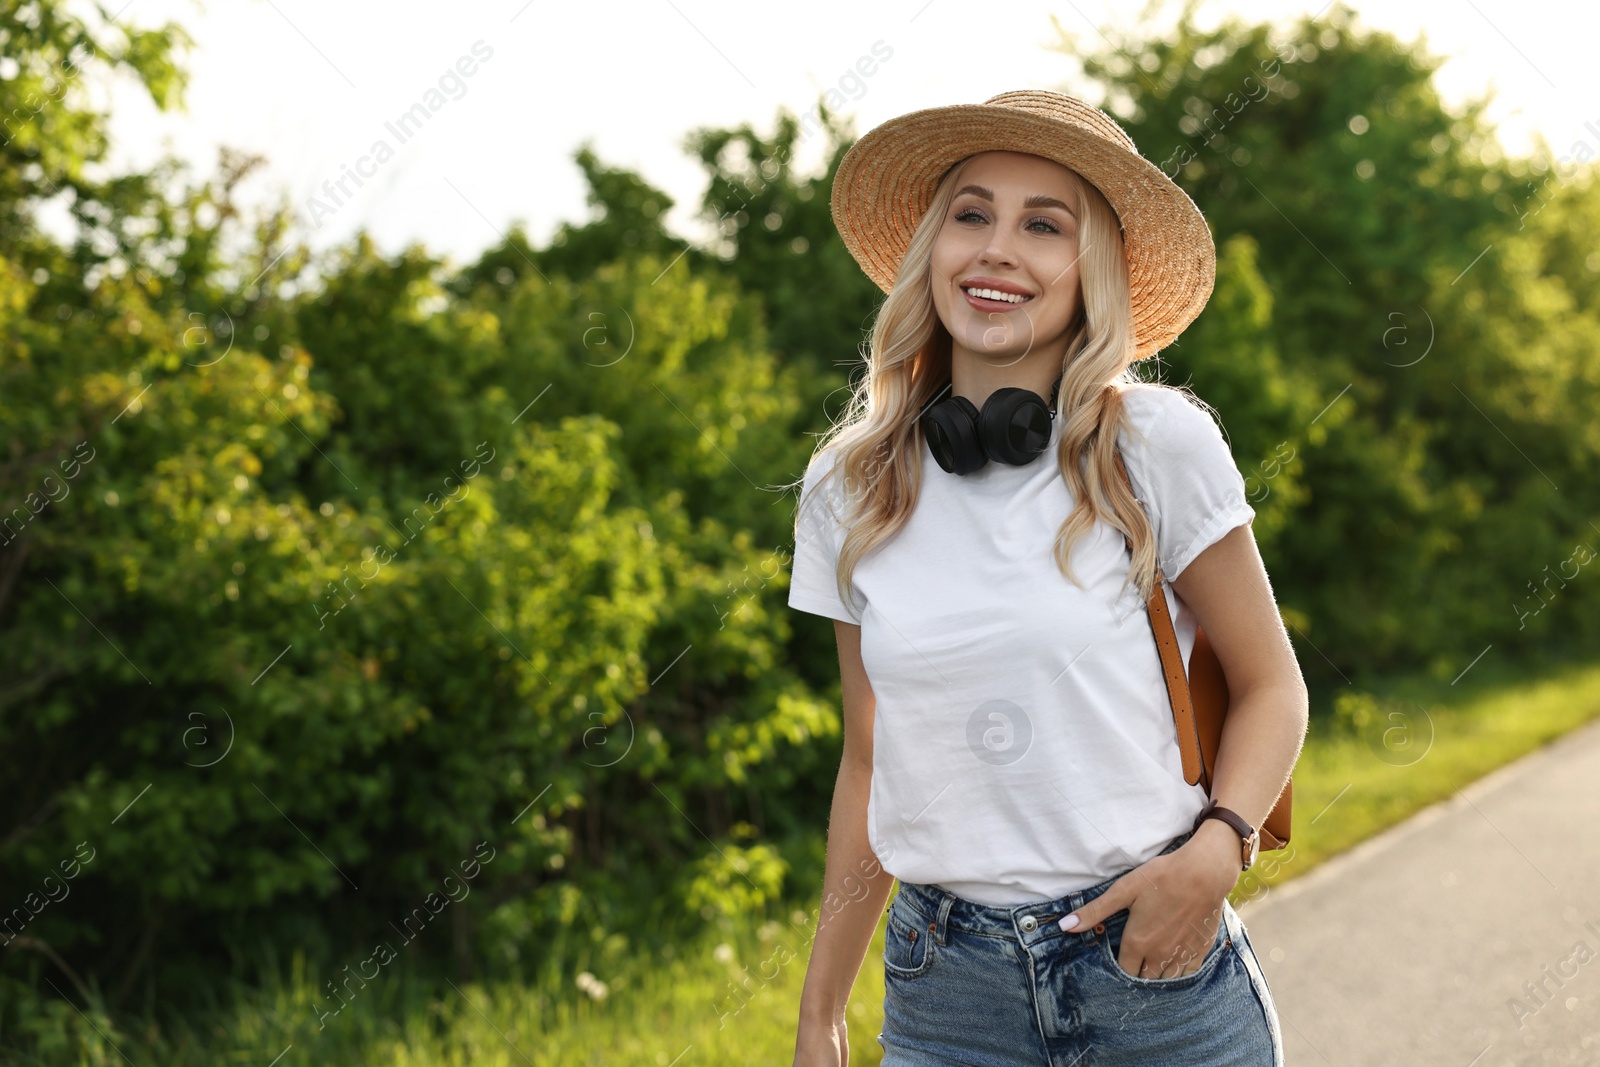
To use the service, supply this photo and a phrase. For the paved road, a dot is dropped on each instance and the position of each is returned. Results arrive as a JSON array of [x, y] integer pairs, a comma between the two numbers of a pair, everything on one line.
[[1468, 935]]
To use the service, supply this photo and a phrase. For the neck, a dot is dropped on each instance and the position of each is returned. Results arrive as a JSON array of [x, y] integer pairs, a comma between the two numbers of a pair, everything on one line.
[[977, 381]]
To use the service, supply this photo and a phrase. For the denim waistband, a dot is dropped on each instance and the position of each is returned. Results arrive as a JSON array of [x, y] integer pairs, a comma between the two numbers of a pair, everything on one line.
[[1029, 922]]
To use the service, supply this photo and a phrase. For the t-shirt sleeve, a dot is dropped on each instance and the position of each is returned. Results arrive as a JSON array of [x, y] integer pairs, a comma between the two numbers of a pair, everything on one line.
[[819, 535], [1184, 472]]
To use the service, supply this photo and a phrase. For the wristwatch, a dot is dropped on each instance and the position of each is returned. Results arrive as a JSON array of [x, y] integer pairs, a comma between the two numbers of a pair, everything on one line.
[[1249, 836]]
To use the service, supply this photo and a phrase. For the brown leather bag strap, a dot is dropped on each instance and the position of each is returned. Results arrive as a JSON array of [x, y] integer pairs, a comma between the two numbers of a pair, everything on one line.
[[1195, 771]]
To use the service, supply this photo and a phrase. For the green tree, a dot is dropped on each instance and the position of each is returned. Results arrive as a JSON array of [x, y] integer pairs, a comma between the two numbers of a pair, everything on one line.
[[314, 579], [777, 239]]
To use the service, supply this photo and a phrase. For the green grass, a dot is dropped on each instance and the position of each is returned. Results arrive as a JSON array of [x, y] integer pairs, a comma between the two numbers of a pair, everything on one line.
[[731, 996], [1420, 742]]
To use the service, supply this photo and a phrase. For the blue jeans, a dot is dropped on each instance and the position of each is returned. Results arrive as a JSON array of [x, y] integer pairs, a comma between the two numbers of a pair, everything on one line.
[[973, 984]]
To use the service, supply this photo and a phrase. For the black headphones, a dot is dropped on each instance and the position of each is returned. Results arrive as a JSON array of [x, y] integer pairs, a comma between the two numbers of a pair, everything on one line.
[[1014, 427]]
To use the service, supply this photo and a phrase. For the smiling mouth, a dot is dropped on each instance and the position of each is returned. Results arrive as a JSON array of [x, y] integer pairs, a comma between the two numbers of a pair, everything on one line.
[[995, 296]]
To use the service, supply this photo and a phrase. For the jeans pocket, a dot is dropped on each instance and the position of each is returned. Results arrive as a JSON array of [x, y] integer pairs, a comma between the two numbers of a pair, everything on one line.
[[1111, 944], [908, 948]]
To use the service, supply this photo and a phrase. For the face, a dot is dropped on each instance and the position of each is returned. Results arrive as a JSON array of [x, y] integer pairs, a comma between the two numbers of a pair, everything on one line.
[[1012, 233]]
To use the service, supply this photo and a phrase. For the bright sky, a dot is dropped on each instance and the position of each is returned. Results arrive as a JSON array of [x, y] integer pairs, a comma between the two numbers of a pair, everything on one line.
[[311, 84]]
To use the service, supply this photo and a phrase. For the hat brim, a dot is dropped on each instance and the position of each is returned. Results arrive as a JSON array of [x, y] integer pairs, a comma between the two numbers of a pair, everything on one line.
[[885, 184]]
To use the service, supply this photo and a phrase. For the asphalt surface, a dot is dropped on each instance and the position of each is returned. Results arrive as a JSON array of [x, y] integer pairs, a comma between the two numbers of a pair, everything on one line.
[[1467, 936]]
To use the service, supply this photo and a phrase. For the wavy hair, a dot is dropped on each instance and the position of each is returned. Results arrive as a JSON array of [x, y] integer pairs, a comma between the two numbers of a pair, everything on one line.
[[879, 438]]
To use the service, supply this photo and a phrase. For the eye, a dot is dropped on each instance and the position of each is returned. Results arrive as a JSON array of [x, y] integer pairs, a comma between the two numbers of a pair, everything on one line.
[[1053, 228], [974, 212]]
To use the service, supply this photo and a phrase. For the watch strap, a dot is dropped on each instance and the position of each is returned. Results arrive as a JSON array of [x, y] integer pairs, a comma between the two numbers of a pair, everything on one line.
[[1232, 818]]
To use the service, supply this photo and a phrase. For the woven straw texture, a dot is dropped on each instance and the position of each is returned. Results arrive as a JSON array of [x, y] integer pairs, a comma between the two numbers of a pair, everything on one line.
[[886, 181]]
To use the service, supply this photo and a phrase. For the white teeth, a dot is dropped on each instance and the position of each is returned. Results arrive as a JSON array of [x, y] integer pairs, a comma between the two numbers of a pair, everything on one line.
[[995, 294]]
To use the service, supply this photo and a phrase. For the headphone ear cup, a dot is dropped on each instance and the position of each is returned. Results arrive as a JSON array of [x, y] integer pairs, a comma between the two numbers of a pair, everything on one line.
[[1015, 425], [951, 429]]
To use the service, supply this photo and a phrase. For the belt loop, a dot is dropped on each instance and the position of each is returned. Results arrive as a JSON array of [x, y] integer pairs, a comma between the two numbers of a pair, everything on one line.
[[947, 901], [1072, 902]]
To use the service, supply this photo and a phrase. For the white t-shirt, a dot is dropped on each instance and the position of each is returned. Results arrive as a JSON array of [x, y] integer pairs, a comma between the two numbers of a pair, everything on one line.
[[1023, 744]]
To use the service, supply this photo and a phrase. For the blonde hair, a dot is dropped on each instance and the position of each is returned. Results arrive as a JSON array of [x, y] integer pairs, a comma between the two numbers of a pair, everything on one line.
[[879, 439]]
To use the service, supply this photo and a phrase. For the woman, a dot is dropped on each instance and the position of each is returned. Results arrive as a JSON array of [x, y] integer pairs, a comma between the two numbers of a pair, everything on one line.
[[1009, 752]]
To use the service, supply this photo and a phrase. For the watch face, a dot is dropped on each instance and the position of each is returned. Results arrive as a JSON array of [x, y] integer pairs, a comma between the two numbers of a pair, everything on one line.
[[1252, 848]]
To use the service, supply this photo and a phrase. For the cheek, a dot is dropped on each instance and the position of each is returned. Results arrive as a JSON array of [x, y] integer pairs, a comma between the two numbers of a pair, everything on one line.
[[1068, 260], [943, 271], [1070, 296], [1066, 273], [947, 255], [1064, 298]]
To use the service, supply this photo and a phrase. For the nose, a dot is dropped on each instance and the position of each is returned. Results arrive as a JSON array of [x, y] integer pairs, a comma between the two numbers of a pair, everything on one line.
[[999, 249]]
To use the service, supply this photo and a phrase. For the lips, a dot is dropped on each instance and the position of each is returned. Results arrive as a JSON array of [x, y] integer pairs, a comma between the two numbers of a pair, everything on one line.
[[990, 294], [995, 298]]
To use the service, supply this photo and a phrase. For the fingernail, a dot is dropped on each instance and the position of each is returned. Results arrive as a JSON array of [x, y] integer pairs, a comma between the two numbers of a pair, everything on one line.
[[1069, 922]]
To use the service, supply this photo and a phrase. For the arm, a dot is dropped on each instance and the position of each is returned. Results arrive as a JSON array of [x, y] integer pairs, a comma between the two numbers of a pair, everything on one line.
[[1174, 901], [1229, 591], [855, 887]]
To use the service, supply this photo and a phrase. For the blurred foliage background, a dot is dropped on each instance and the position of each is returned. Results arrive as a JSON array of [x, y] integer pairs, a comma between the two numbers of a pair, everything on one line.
[[321, 575]]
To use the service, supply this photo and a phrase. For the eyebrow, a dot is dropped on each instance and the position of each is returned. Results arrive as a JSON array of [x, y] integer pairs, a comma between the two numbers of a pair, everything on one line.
[[1036, 200]]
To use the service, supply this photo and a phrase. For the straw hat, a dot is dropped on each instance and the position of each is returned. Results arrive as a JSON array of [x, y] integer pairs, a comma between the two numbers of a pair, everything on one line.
[[885, 184]]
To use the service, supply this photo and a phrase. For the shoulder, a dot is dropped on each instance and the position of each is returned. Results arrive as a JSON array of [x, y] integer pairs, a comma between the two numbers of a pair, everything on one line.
[[1166, 419], [820, 473], [822, 494]]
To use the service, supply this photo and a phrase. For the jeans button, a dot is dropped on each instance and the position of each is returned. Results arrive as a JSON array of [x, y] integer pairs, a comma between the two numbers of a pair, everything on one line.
[[1029, 924]]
